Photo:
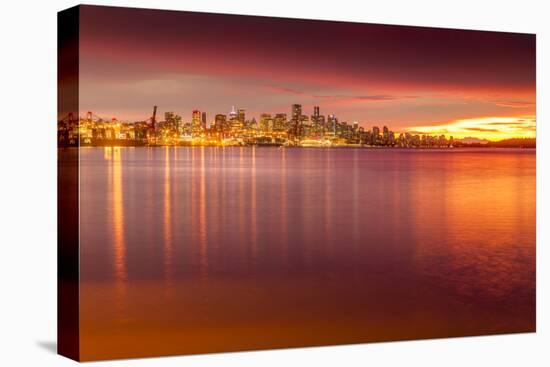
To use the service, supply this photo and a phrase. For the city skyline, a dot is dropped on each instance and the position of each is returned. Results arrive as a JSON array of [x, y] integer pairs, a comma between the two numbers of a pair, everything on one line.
[[464, 83], [508, 125], [295, 128]]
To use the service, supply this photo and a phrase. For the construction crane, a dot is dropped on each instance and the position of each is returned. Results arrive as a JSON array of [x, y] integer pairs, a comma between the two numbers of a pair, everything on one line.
[[154, 118]]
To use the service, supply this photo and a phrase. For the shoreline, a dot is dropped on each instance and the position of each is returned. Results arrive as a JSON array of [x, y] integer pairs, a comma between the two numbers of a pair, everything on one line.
[[298, 147]]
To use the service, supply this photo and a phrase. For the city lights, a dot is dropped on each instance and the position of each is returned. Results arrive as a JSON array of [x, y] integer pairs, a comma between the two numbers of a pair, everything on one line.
[[295, 129]]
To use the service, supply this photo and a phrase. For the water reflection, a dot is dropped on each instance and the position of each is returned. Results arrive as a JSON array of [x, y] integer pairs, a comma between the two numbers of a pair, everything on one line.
[[118, 233], [202, 225], [253, 210], [283, 208], [167, 223], [118, 217], [327, 202], [242, 206], [386, 243]]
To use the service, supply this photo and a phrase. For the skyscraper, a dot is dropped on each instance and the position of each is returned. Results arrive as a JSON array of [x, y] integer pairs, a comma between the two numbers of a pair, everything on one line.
[[295, 120], [203, 120], [240, 115], [296, 112], [386, 134], [220, 122], [375, 134], [196, 124], [233, 113], [316, 126], [279, 122], [266, 122], [331, 124], [235, 123]]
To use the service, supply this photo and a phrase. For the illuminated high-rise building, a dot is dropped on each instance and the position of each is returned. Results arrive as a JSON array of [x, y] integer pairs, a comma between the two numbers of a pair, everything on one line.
[[296, 112], [196, 123], [177, 124], [375, 134], [331, 125], [240, 115], [220, 122], [252, 124], [316, 111], [303, 126], [236, 120], [385, 134], [169, 122], [196, 117], [391, 140], [233, 114], [203, 120], [296, 116], [316, 127], [321, 121], [279, 122], [266, 122]]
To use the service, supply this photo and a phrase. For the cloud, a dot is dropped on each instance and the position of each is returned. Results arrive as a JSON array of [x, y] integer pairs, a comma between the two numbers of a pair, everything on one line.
[[513, 104], [285, 90], [492, 128], [376, 97], [481, 129], [520, 122], [341, 97]]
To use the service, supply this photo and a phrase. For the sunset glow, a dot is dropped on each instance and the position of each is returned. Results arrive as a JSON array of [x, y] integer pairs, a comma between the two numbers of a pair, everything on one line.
[[490, 128], [407, 78]]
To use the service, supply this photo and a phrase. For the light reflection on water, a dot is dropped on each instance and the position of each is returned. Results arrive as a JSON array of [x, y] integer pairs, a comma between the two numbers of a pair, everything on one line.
[[386, 244]]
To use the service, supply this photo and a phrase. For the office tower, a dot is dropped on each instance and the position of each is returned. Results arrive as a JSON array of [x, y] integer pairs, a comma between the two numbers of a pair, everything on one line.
[[220, 122], [375, 134], [252, 124], [196, 124], [279, 122], [304, 126], [177, 123], [240, 115], [232, 114], [315, 116], [203, 120], [316, 128], [296, 112], [331, 127], [266, 123], [385, 134], [322, 124]]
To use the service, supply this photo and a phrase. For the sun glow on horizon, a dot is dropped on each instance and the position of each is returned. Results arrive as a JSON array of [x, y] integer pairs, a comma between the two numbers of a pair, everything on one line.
[[490, 128]]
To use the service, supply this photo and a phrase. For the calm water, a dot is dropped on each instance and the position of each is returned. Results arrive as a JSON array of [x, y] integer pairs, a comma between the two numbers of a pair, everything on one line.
[[189, 250]]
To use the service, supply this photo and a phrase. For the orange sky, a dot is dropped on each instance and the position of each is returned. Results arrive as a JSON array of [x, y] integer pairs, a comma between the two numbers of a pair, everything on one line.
[[464, 83]]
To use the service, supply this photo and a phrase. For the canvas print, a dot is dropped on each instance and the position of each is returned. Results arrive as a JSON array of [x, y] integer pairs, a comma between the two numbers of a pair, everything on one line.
[[231, 183]]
